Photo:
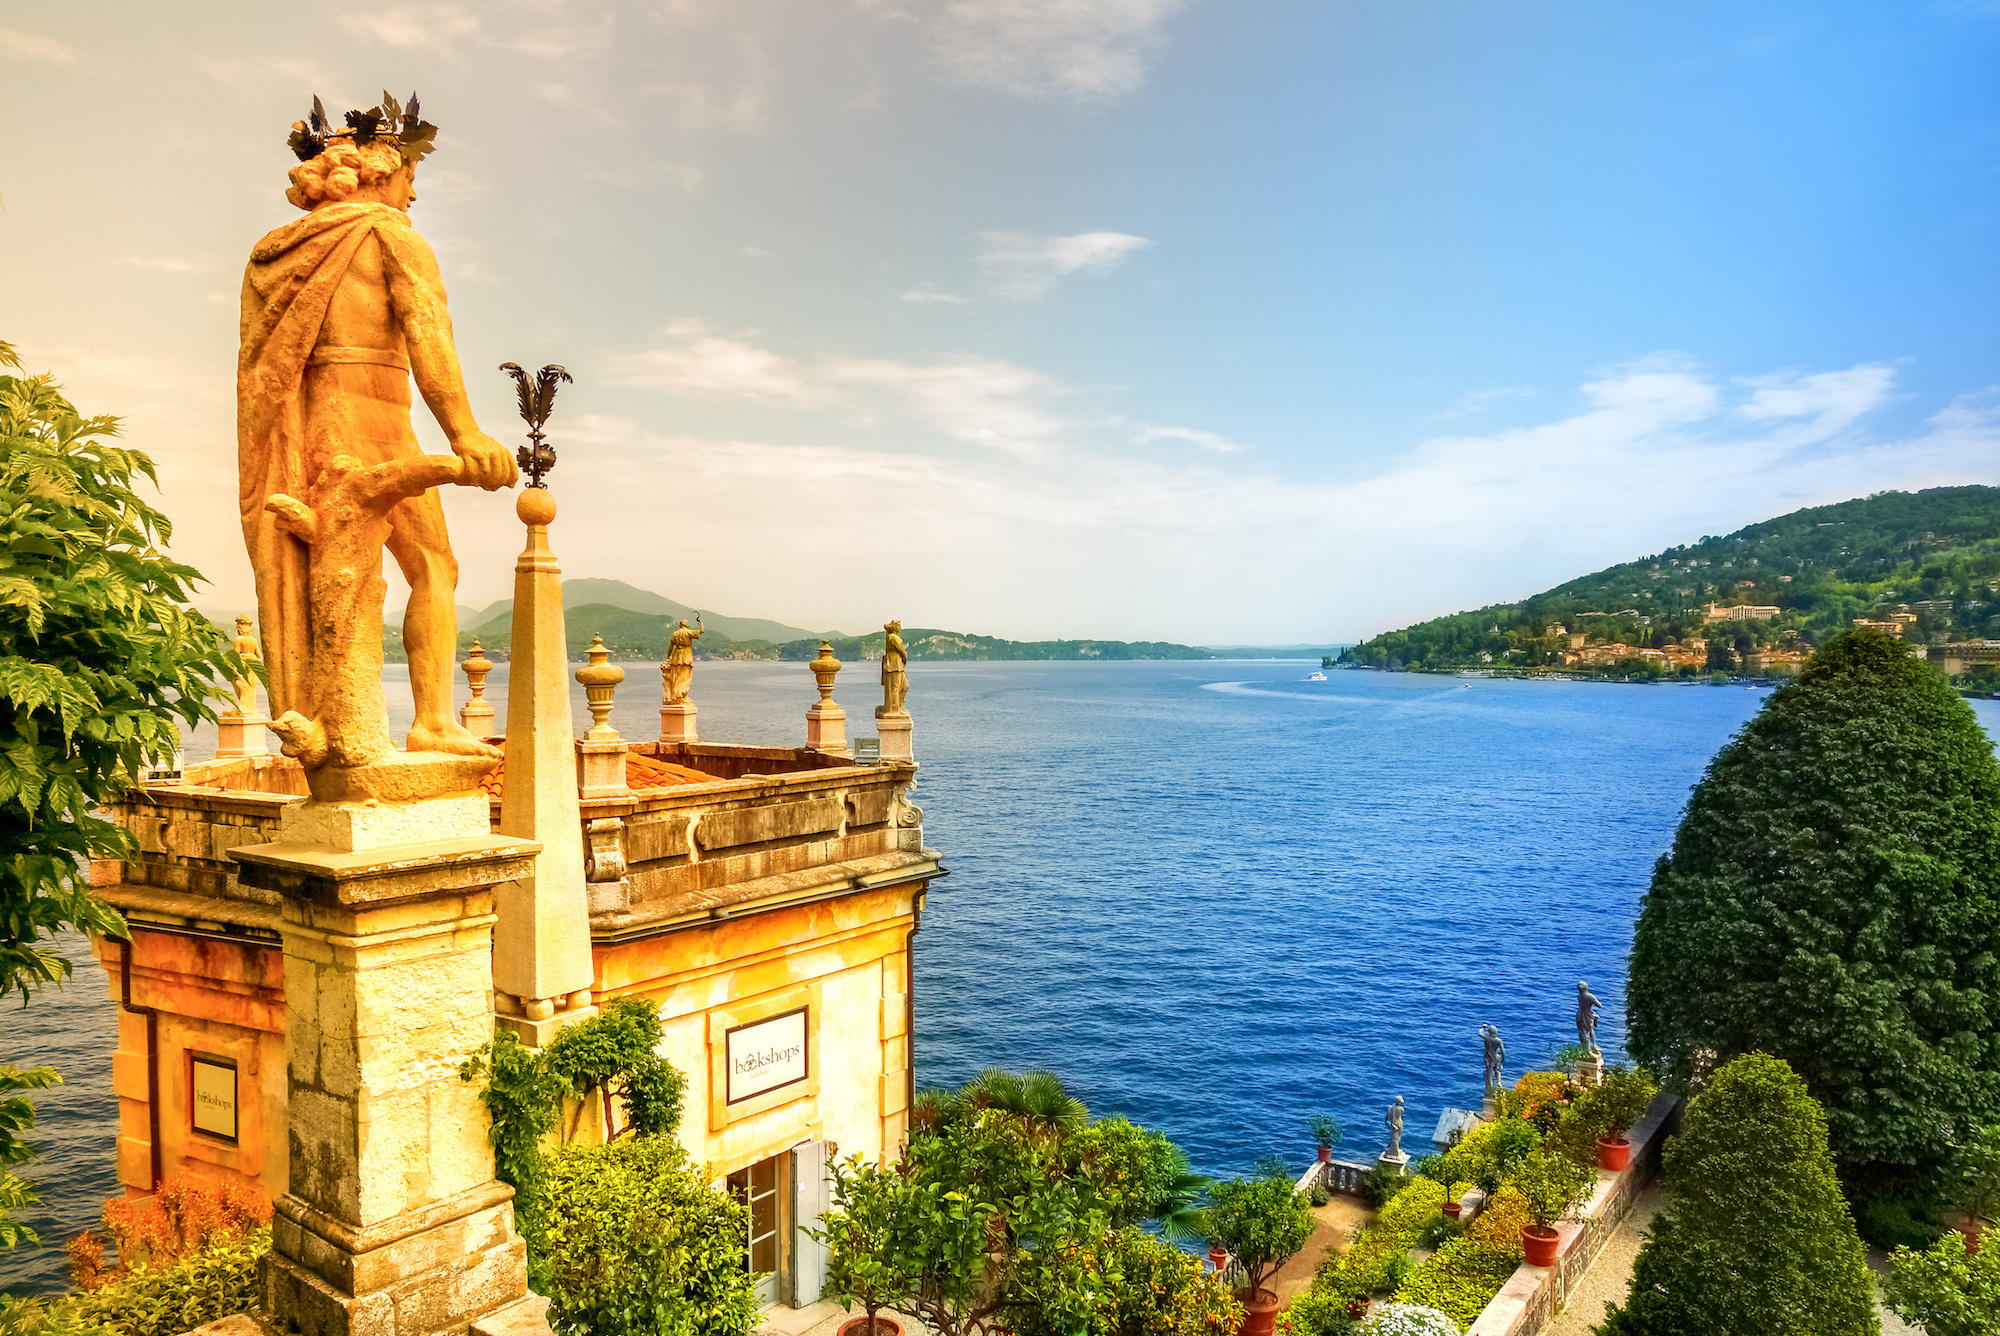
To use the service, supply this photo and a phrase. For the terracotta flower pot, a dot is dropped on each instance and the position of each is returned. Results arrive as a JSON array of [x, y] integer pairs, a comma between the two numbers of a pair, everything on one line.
[[1540, 1245], [1218, 1257], [884, 1326], [1452, 1209], [1326, 1155], [1614, 1154], [1260, 1312], [1972, 1227]]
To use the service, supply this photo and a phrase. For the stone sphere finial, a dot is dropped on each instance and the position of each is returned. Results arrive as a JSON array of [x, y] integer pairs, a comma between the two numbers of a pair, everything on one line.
[[600, 680], [535, 506]]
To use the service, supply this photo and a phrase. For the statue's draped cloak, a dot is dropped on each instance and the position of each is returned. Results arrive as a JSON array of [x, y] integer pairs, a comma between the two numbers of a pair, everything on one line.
[[289, 283]]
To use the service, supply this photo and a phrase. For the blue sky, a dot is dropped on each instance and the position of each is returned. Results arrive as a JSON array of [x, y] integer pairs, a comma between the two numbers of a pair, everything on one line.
[[1213, 322]]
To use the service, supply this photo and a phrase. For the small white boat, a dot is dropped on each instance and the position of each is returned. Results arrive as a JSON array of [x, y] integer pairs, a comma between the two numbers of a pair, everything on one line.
[[1316, 677]]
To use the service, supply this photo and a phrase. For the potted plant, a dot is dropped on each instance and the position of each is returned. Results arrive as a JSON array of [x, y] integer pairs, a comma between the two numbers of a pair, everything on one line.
[[1977, 1166], [1262, 1222], [1552, 1185], [1612, 1106], [1325, 1134]]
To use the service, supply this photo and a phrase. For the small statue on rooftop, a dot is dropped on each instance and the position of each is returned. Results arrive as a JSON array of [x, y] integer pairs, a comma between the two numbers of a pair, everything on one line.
[[246, 686], [895, 665], [1586, 1020], [677, 673]]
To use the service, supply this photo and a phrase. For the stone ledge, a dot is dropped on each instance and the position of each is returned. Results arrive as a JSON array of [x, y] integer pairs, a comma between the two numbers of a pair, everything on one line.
[[372, 876], [1533, 1295]]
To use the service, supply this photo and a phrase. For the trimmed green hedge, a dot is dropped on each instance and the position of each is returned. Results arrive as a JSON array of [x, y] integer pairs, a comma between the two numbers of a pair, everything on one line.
[[1460, 1278], [1372, 1260]]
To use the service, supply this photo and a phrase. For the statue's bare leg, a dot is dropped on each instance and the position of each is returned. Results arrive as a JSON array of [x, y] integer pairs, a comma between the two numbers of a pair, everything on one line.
[[430, 625]]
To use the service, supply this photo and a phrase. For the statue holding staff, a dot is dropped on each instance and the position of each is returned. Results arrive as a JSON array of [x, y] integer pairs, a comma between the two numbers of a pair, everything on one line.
[[895, 665], [677, 672], [340, 309]]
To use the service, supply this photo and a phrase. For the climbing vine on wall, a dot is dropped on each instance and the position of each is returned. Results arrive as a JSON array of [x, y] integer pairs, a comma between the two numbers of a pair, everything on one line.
[[523, 1090]]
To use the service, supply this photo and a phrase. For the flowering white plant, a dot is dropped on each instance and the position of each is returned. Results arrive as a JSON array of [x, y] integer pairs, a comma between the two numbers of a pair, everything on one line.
[[1409, 1320]]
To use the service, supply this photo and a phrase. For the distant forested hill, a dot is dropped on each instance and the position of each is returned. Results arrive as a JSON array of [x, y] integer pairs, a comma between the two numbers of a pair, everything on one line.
[[631, 635], [1930, 553]]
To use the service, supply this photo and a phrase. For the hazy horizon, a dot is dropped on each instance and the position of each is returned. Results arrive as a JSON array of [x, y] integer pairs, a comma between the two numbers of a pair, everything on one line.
[[1123, 319]]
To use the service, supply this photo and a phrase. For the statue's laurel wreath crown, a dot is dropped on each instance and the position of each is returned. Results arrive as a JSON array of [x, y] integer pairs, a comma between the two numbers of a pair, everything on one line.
[[412, 134]]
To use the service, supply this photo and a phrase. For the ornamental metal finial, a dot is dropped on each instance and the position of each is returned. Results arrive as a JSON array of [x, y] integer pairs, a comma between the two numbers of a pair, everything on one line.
[[538, 397]]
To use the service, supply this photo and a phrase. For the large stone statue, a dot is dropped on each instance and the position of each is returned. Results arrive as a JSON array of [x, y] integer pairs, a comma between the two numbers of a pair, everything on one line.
[[246, 687], [1496, 1057], [895, 666], [1586, 1019], [678, 671], [340, 309], [1393, 1120]]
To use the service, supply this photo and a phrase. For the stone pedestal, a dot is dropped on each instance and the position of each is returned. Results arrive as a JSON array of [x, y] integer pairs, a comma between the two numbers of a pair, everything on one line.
[[600, 770], [1491, 1108], [1399, 1161], [826, 729], [1591, 1070], [677, 723], [238, 734], [392, 1224], [894, 728]]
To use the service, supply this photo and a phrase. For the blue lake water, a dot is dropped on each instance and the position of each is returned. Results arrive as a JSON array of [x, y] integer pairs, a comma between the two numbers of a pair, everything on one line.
[[1212, 896]]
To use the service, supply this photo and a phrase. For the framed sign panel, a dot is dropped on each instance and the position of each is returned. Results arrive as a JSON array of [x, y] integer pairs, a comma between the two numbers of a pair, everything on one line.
[[767, 1055], [212, 1095]]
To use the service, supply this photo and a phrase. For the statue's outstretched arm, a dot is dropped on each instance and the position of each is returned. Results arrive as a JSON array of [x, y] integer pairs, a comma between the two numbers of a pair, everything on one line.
[[416, 294]]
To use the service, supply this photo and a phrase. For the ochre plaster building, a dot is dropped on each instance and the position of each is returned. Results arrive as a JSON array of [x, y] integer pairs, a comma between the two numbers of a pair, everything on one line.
[[766, 898]]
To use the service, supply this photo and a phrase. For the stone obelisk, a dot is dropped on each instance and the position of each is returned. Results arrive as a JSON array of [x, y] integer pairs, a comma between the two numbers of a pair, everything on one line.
[[541, 944]]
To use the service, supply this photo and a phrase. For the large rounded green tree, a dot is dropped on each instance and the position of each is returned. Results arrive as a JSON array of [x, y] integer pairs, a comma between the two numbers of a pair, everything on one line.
[[1833, 897]]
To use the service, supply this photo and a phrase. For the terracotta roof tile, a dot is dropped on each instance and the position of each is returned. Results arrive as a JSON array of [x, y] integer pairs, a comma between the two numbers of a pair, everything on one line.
[[641, 772]]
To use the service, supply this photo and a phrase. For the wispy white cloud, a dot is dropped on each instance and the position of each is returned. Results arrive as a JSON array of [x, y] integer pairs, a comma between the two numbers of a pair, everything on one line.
[[17, 45], [1033, 534], [1206, 440], [926, 296], [443, 28], [1051, 50], [1471, 405], [1021, 266]]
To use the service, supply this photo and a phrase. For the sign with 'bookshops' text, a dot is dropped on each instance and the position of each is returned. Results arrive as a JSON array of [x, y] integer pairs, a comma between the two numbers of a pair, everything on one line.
[[767, 1055]]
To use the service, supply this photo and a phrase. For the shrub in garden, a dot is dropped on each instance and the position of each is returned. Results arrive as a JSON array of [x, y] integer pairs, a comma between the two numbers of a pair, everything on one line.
[[204, 1286], [1324, 1129], [185, 1216], [994, 1219], [1263, 1222], [1757, 1237], [1832, 898], [1501, 1221], [1485, 1155], [635, 1243], [1408, 1320], [1975, 1174], [1317, 1312], [1460, 1278], [1374, 1260], [1943, 1290], [1160, 1291]]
